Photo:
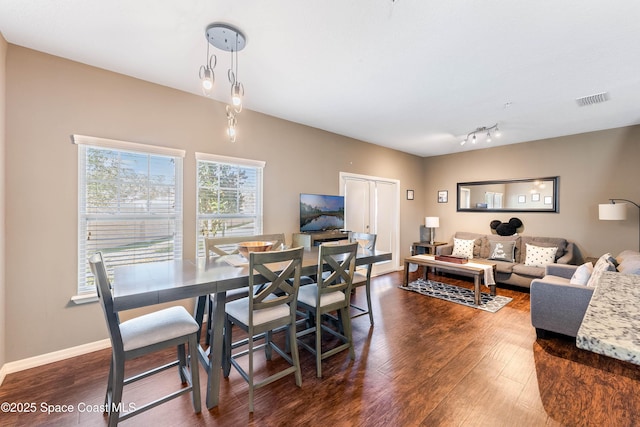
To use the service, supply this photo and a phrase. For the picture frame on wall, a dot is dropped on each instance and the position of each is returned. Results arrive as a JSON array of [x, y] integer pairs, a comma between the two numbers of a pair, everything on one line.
[[522, 198], [535, 197], [409, 194], [443, 196]]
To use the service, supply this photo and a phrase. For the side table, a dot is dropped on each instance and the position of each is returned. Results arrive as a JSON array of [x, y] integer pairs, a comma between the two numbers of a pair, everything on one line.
[[427, 248]]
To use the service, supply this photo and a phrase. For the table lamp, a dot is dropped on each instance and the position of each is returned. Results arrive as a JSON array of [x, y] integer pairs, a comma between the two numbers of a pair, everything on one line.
[[431, 222], [616, 212]]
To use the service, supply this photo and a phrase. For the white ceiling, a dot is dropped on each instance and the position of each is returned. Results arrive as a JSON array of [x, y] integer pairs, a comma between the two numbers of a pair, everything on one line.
[[414, 75]]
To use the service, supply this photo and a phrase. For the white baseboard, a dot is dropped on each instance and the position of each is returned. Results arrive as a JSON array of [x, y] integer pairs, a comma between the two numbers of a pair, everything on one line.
[[3, 373], [56, 356]]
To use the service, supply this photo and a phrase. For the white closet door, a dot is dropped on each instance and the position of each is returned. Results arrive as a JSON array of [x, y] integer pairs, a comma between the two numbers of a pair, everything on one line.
[[357, 194], [371, 206]]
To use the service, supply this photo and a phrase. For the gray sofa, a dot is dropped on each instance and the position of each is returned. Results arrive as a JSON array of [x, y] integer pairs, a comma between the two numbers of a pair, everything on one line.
[[514, 273], [559, 306]]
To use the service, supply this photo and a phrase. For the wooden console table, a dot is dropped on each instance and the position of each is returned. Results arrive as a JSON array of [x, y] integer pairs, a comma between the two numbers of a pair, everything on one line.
[[612, 320], [309, 240]]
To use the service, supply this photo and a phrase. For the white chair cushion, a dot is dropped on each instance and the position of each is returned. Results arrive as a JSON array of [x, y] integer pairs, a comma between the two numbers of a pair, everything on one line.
[[239, 309], [359, 278], [156, 327], [307, 295]]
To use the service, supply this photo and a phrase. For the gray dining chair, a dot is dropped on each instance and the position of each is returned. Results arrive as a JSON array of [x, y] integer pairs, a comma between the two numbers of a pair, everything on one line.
[[330, 294], [143, 335], [368, 242], [221, 246], [271, 307]]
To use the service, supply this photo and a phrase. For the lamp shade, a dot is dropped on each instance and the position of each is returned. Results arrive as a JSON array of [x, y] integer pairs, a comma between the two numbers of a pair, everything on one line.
[[612, 211], [432, 222]]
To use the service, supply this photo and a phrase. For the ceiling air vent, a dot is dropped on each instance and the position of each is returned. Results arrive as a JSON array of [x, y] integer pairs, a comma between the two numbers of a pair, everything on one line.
[[593, 99]]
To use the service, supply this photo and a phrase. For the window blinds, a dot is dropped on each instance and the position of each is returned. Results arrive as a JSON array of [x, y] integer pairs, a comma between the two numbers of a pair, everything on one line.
[[130, 205], [229, 197]]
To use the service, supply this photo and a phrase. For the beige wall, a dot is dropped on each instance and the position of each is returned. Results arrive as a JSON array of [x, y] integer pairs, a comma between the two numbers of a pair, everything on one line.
[[3, 55], [49, 98], [44, 108], [592, 167]]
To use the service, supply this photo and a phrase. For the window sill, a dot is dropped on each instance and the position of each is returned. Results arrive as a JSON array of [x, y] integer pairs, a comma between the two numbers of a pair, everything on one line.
[[84, 298]]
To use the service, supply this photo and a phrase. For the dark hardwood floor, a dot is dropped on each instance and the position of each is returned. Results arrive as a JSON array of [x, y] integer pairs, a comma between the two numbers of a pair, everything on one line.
[[425, 362]]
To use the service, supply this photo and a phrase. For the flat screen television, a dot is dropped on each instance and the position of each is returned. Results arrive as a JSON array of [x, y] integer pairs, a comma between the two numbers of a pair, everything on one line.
[[321, 212]]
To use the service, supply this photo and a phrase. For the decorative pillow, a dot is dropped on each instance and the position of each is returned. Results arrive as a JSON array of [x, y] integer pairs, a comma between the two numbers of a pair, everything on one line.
[[538, 256], [630, 266], [463, 248], [582, 274], [627, 253], [603, 264], [502, 250]]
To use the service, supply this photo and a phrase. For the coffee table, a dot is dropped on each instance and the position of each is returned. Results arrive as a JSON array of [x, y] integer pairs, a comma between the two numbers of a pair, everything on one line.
[[473, 269]]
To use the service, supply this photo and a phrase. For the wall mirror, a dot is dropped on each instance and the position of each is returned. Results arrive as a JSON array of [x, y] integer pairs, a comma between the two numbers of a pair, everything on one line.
[[513, 195]]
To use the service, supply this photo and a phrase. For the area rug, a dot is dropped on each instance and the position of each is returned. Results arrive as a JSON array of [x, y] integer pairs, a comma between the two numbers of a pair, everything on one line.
[[457, 294]]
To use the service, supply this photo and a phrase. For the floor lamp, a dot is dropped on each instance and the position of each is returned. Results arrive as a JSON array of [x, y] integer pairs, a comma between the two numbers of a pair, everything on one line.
[[617, 212]]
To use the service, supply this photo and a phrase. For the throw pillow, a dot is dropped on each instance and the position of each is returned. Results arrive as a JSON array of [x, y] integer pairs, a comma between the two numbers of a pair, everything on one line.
[[630, 266], [603, 264], [582, 274], [538, 256], [502, 250], [603, 260], [463, 248]]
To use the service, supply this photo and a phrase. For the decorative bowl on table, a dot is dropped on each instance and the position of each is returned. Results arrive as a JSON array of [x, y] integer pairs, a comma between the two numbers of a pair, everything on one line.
[[245, 247]]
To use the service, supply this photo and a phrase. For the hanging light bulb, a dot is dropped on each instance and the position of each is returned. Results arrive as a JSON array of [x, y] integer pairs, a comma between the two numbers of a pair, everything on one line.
[[473, 140], [488, 136], [207, 77], [237, 89], [231, 124], [237, 92]]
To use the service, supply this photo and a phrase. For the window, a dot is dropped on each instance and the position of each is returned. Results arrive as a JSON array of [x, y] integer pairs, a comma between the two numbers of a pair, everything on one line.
[[129, 203], [229, 197]]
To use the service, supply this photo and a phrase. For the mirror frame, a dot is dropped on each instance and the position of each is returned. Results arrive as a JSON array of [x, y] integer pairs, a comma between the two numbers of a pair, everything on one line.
[[554, 208]]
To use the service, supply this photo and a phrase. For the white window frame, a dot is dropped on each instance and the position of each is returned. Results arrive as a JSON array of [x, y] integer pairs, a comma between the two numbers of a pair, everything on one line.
[[85, 292], [258, 165]]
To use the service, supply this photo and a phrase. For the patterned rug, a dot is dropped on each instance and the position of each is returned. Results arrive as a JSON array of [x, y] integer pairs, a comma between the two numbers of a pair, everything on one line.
[[457, 294]]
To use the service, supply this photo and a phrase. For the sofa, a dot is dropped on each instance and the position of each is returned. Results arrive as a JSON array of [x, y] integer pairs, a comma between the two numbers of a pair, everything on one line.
[[512, 270], [560, 299]]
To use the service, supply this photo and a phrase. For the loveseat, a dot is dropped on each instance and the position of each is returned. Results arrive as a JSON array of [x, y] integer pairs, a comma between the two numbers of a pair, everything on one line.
[[509, 254], [560, 299]]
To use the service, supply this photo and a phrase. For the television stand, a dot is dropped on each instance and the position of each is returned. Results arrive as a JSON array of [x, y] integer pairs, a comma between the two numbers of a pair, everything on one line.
[[315, 238]]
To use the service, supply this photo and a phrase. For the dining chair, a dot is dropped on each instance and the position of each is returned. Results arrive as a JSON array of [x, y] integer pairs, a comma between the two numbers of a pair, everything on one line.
[[143, 335], [271, 307], [368, 242], [330, 294], [221, 246]]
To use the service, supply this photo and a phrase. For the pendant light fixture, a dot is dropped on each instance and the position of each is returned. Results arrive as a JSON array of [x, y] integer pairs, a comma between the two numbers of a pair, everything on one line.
[[228, 38]]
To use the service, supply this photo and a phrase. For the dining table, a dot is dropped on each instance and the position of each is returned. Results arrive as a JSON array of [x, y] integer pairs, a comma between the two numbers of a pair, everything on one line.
[[148, 284]]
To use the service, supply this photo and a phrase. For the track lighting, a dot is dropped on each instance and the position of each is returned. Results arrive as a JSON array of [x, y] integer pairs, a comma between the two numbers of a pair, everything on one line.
[[472, 134]]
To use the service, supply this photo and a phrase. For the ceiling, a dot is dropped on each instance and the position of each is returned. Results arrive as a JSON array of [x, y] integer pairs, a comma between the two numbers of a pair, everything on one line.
[[413, 75]]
